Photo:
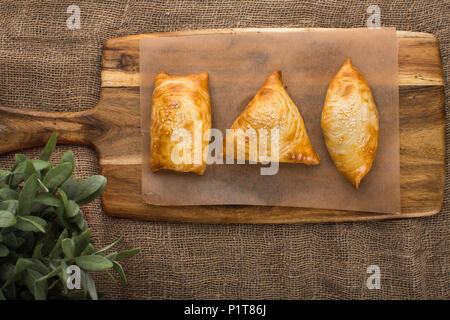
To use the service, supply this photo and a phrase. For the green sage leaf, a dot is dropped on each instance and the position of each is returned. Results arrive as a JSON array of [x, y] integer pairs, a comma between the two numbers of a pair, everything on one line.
[[37, 252], [29, 169], [42, 185], [9, 205], [50, 274], [39, 266], [71, 187], [72, 209], [57, 247], [118, 267], [111, 276], [4, 251], [18, 175], [7, 219], [57, 175], [27, 195], [88, 250], [31, 223], [90, 189], [49, 148], [4, 174], [93, 263], [82, 240], [37, 288], [127, 253], [60, 213], [63, 276], [8, 194], [40, 165], [68, 157], [48, 199], [20, 158], [11, 240], [91, 287], [112, 256], [7, 271], [68, 247], [22, 264], [54, 284], [109, 246], [63, 196]]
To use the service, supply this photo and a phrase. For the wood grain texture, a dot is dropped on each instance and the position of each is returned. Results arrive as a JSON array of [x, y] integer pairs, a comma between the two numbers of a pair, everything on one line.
[[113, 129]]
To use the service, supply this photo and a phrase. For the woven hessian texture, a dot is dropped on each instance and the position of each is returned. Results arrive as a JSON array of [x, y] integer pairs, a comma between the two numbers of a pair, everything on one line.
[[45, 66]]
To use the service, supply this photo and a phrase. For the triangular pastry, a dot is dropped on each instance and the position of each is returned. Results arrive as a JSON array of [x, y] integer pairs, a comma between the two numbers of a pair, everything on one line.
[[180, 123], [272, 108], [350, 124]]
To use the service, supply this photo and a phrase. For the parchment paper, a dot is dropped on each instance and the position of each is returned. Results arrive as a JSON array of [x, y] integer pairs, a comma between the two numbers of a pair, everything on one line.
[[237, 65]]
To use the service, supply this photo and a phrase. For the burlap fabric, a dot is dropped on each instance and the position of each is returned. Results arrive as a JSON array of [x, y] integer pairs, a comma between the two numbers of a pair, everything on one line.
[[46, 66]]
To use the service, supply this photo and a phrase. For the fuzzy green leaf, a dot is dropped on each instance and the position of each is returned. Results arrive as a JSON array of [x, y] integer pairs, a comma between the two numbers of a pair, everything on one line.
[[48, 199], [31, 223], [71, 187], [27, 195], [68, 157], [109, 246], [118, 267], [49, 148], [40, 165], [37, 288], [90, 189], [9, 205], [11, 240], [4, 251], [29, 169], [91, 287], [88, 250], [63, 196], [37, 252], [127, 253], [20, 158], [81, 241], [68, 247], [57, 247], [42, 185], [50, 274], [4, 174], [22, 264], [8, 194], [7, 219], [112, 256], [72, 209], [93, 263], [57, 175], [7, 271]]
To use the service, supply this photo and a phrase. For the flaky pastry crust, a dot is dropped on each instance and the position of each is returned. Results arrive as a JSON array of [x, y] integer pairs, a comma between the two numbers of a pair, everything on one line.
[[272, 108], [350, 124], [177, 103]]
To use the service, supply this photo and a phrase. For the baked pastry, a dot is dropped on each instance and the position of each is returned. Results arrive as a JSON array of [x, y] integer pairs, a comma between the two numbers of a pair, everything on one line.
[[181, 114], [272, 108], [350, 124]]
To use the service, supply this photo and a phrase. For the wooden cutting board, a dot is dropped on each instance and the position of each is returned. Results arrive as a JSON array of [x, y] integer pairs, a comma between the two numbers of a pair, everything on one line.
[[113, 129]]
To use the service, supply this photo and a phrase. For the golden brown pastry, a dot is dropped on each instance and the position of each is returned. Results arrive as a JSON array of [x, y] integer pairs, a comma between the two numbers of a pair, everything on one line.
[[180, 107], [350, 124], [272, 108]]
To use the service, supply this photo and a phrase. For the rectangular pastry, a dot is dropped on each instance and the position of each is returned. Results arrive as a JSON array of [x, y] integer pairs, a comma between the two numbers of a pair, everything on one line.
[[180, 123]]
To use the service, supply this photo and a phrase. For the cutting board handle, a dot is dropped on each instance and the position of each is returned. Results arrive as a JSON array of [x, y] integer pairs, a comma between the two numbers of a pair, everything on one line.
[[21, 128]]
